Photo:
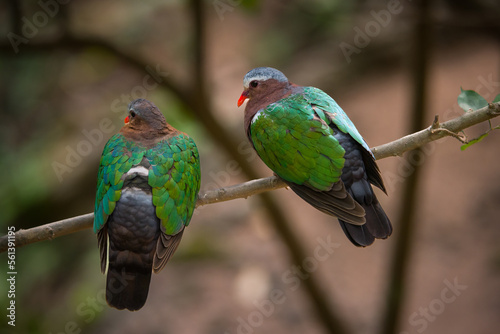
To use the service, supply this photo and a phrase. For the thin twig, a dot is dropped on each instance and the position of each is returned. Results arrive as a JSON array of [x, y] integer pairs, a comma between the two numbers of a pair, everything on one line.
[[461, 138]]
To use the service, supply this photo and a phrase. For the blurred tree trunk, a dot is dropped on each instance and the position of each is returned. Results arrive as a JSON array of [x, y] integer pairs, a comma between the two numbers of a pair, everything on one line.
[[405, 229], [202, 109]]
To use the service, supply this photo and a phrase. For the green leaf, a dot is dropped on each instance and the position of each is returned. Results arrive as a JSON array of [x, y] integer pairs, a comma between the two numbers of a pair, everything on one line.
[[474, 141], [497, 99], [469, 99]]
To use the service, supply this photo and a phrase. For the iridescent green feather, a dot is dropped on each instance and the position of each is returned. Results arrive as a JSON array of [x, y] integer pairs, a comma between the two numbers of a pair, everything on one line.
[[118, 156], [332, 113], [174, 177], [293, 137], [174, 192]]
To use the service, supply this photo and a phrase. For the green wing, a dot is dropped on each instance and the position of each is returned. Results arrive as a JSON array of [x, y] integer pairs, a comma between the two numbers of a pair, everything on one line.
[[175, 179], [329, 111], [174, 176], [117, 158], [297, 144]]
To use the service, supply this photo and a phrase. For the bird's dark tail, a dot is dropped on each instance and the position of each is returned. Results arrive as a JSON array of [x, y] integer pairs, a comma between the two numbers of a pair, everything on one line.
[[127, 280], [129, 273], [377, 224]]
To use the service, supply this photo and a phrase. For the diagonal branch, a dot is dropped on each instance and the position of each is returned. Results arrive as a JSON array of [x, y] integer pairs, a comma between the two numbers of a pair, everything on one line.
[[254, 187], [437, 131], [76, 42]]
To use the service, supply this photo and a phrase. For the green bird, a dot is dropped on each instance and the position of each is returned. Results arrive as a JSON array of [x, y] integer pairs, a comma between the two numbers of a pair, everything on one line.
[[147, 185], [304, 136]]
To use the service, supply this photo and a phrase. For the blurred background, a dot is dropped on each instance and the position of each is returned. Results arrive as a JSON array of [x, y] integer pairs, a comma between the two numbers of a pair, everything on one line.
[[269, 263]]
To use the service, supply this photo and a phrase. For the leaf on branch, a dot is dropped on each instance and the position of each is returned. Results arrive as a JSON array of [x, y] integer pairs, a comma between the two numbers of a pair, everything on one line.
[[474, 141], [469, 99]]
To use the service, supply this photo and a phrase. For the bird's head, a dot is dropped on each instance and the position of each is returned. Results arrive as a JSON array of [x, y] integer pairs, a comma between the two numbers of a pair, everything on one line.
[[261, 81], [144, 115]]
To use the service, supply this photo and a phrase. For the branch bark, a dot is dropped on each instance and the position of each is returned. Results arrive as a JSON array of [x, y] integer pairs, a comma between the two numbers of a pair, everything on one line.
[[395, 148]]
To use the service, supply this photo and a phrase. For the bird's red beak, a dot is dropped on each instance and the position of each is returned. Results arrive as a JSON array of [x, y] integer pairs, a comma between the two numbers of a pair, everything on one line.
[[242, 98], [127, 119]]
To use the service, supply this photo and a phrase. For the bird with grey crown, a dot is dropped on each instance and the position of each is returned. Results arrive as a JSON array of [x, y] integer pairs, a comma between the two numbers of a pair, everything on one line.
[[147, 185], [304, 136]]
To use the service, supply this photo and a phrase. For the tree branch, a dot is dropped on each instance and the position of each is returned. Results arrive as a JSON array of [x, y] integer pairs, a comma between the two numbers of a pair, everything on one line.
[[242, 190], [436, 131], [254, 187]]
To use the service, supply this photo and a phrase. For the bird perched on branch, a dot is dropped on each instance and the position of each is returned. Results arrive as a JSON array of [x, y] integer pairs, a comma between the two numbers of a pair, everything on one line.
[[147, 185], [303, 135]]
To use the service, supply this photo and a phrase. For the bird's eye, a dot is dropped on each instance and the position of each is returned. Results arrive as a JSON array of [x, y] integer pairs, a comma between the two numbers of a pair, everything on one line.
[[254, 83], [132, 114]]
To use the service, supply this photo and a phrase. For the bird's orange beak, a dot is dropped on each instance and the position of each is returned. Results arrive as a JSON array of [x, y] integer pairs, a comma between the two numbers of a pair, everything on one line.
[[242, 98], [127, 119]]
